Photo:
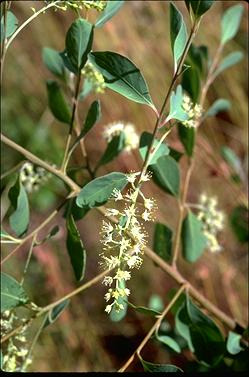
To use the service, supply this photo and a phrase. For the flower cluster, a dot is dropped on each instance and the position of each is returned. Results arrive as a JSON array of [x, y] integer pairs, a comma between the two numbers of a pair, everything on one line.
[[15, 356], [32, 177], [99, 5], [194, 112], [212, 220], [123, 243], [130, 135], [94, 77]]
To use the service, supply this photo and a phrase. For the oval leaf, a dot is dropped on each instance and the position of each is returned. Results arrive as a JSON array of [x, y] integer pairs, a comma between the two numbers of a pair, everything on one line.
[[193, 240], [176, 110], [233, 343], [122, 76], [57, 103], [54, 62], [230, 22], [218, 106], [144, 310], [75, 249], [98, 191], [202, 334], [19, 219], [187, 138], [144, 144], [166, 175], [12, 293], [112, 7], [170, 342], [162, 243], [93, 116], [56, 312], [11, 25], [114, 147], [229, 61], [178, 33], [79, 40], [150, 367]]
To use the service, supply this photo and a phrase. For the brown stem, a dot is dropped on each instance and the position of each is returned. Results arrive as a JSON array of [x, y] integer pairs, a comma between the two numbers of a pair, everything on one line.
[[36, 160], [69, 137], [153, 328]]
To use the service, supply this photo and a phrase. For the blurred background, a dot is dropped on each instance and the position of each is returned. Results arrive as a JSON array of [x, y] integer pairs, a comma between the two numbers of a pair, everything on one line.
[[84, 338]]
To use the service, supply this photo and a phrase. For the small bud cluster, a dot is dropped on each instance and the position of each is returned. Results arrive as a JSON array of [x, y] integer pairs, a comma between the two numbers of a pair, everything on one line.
[[193, 111], [32, 177], [95, 78], [212, 220], [124, 242], [15, 355], [130, 135], [99, 5]]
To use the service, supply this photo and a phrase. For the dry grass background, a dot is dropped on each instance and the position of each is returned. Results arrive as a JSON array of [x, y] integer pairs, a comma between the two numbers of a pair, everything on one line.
[[83, 339]]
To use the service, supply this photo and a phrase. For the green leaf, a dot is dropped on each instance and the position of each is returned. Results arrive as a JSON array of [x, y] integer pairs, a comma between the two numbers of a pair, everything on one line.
[[11, 25], [79, 40], [193, 240], [12, 293], [176, 110], [233, 343], [218, 106], [144, 144], [170, 342], [57, 103], [77, 212], [231, 158], [187, 138], [156, 303], [110, 10], [197, 57], [151, 367], [55, 313], [178, 34], [75, 249], [19, 219], [229, 61], [162, 243], [93, 116], [239, 223], [191, 82], [122, 76], [98, 191], [175, 154], [230, 22], [144, 310], [118, 316], [202, 334], [54, 62], [199, 7], [114, 147], [86, 89], [166, 175]]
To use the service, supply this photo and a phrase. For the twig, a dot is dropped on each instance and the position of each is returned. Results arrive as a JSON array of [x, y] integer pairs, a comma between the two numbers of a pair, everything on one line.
[[153, 328], [36, 160], [75, 104]]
